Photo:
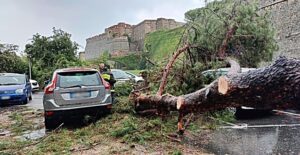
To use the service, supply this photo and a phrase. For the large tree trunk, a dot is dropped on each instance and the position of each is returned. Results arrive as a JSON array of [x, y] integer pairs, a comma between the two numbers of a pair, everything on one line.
[[273, 87]]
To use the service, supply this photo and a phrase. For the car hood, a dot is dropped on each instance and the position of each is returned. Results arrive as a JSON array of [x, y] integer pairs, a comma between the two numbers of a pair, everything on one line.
[[11, 87]]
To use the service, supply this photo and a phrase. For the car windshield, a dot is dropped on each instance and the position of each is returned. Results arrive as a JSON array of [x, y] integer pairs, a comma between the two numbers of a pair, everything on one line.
[[120, 75], [78, 79], [12, 80], [130, 75]]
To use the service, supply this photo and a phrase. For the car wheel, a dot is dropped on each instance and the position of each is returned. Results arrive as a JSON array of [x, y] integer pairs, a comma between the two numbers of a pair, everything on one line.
[[30, 97], [51, 124], [26, 100]]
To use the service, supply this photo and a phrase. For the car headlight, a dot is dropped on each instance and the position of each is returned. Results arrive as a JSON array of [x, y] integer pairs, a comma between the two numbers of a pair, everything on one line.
[[20, 91]]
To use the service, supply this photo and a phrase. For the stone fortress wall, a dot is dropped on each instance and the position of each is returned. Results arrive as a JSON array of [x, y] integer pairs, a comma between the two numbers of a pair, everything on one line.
[[285, 16], [123, 38]]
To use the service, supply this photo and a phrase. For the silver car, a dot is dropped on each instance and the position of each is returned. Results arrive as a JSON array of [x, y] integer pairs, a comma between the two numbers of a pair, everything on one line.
[[120, 76], [75, 92], [134, 77]]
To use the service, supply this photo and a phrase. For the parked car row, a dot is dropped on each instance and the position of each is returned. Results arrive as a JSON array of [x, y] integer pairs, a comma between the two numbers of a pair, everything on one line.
[[71, 92]]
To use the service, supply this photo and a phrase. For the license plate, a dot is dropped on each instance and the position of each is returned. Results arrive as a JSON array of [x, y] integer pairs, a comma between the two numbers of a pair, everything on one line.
[[5, 97], [81, 95]]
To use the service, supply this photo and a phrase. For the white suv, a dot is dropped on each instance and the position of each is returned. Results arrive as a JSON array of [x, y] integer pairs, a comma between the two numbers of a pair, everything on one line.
[[34, 85]]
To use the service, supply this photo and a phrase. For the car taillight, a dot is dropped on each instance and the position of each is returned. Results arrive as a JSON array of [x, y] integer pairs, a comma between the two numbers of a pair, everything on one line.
[[106, 85], [49, 113], [50, 88]]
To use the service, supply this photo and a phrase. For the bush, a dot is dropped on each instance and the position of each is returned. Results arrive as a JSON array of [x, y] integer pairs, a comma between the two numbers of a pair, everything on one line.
[[123, 89]]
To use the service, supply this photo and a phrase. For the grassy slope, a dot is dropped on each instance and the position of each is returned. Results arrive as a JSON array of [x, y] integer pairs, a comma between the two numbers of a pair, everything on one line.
[[161, 43]]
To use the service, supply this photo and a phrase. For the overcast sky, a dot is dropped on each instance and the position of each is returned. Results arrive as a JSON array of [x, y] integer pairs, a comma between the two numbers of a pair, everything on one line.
[[20, 19]]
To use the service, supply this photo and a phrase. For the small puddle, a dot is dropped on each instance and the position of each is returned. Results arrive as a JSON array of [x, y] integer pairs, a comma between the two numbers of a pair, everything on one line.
[[32, 135], [5, 133]]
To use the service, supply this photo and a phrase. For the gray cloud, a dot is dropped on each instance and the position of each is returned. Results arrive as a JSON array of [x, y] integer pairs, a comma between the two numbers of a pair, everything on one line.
[[20, 19]]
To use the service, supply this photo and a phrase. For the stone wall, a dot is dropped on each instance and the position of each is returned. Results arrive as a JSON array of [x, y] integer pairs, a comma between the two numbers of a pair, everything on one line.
[[142, 29], [285, 16], [119, 44], [81, 55], [96, 45], [119, 30], [122, 38]]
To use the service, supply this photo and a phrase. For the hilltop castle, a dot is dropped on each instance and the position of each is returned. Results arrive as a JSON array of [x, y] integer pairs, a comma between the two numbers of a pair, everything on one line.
[[123, 38]]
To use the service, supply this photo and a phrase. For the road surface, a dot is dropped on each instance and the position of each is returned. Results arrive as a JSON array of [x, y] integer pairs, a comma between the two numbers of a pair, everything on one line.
[[277, 133], [37, 101]]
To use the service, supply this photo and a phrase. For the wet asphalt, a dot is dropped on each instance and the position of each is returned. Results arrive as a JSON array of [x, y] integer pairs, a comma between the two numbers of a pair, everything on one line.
[[276, 133], [37, 101]]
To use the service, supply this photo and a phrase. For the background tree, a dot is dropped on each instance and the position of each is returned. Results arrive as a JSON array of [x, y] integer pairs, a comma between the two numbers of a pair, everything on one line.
[[10, 61], [50, 53], [231, 28], [227, 28]]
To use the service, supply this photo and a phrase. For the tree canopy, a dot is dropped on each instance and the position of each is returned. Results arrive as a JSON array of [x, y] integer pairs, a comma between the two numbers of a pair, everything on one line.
[[249, 33], [10, 61], [48, 53], [227, 28]]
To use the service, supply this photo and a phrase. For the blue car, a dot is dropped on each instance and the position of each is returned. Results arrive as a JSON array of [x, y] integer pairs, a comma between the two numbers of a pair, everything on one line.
[[14, 89]]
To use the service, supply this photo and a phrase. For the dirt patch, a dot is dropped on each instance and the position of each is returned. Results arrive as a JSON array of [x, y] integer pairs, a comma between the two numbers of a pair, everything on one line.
[[117, 147]]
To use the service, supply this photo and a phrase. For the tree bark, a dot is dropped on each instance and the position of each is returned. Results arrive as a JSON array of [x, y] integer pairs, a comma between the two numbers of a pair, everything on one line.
[[228, 37], [273, 87]]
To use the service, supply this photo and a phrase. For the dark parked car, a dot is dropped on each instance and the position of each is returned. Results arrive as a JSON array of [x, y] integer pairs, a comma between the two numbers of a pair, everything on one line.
[[75, 92], [14, 88]]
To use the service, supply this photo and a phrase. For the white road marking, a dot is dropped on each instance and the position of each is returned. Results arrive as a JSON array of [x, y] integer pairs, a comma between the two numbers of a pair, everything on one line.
[[244, 126], [222, 121], [288, 113]]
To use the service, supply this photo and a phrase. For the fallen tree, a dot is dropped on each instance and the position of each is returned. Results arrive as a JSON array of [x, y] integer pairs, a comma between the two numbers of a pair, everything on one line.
[[274, 87]]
